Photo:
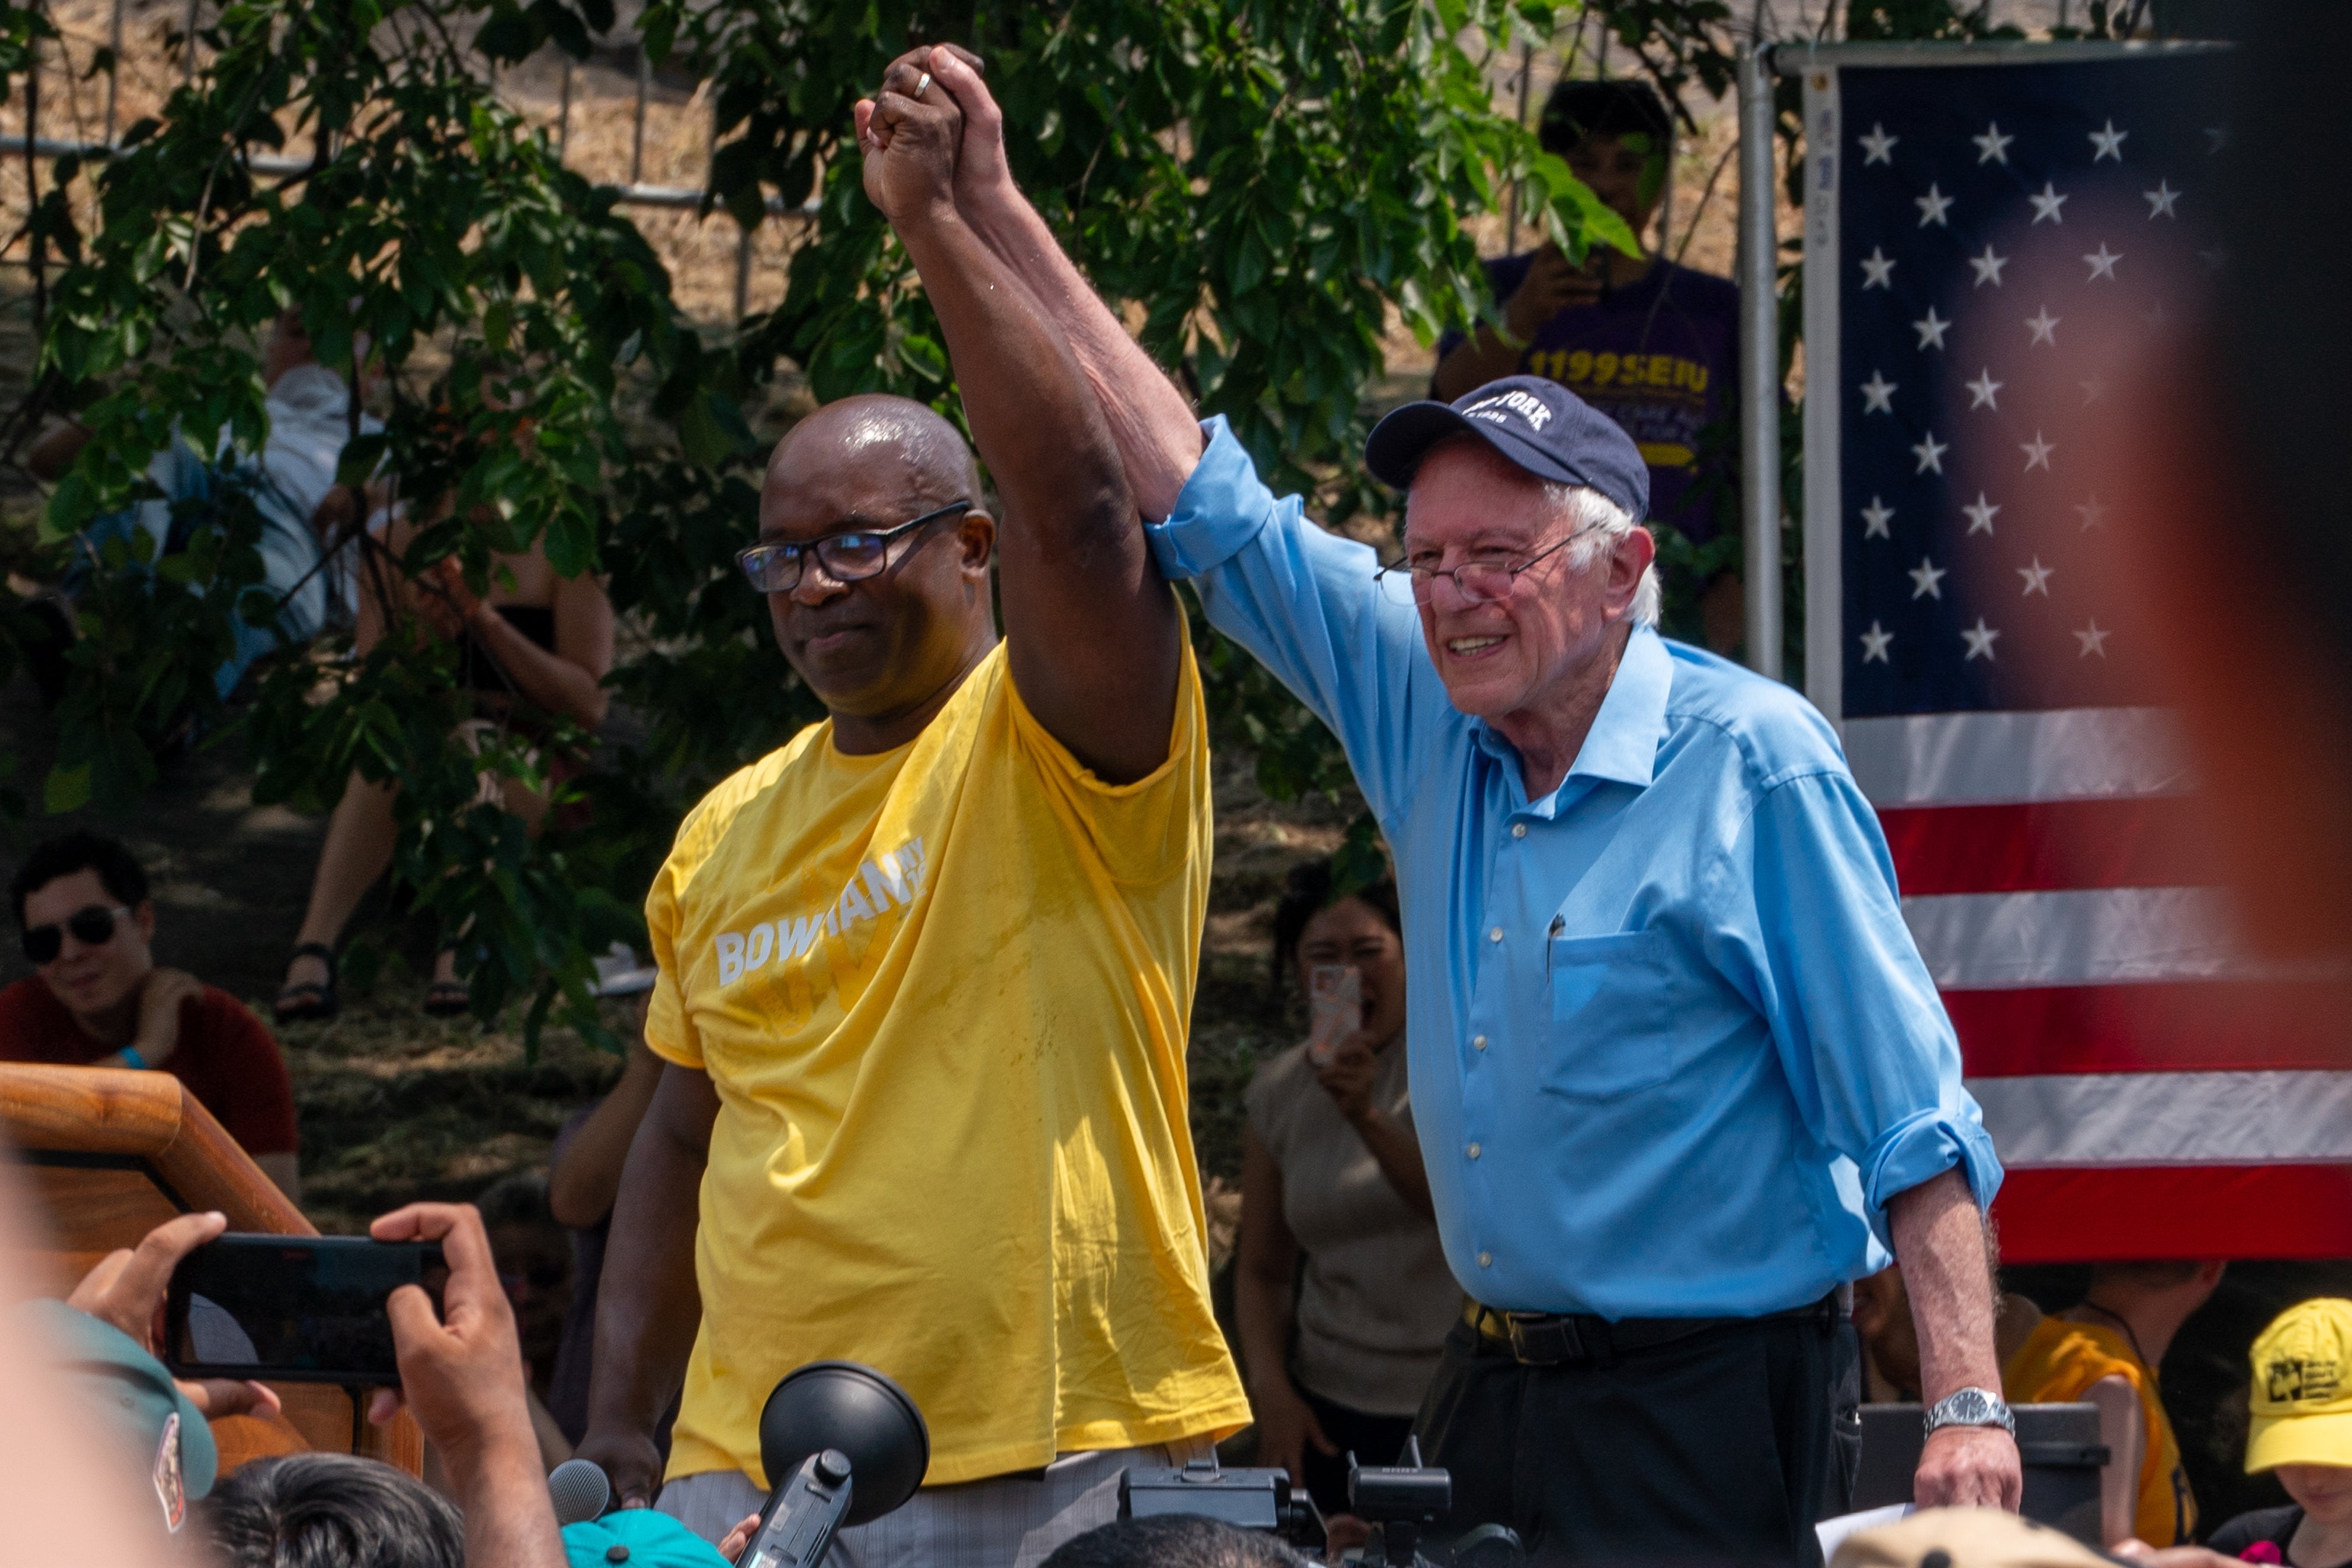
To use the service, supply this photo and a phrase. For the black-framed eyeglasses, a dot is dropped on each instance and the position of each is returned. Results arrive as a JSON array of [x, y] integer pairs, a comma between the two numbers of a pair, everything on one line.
[[1478, 582], [847, 557], [92, 926]]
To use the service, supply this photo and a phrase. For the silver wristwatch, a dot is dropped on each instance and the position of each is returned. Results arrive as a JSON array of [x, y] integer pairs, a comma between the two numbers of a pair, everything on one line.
[[1971, 1407]]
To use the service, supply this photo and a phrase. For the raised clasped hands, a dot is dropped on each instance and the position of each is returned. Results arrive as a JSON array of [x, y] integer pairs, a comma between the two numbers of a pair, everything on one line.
[[975, 174], [908, 135]]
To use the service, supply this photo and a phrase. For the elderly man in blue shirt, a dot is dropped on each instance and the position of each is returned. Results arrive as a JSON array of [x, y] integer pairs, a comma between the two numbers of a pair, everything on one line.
[[1678, 1072]]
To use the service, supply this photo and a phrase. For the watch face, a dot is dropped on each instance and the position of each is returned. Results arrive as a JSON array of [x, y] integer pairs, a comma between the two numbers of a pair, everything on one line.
[[1968, 1408]]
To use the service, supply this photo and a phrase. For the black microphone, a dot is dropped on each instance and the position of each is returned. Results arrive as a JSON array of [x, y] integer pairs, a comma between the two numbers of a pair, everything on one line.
[[579, 1489], [842, 1445]]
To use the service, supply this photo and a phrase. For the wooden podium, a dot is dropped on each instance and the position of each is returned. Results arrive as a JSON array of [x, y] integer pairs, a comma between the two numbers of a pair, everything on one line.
[[108, 1155]]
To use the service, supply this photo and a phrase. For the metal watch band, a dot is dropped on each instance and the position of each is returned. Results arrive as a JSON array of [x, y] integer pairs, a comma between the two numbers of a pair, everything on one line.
[[1971, 1407]]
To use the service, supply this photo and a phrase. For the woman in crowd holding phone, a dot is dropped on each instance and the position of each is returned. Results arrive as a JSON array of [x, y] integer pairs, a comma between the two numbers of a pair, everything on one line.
[[1338, 1351]]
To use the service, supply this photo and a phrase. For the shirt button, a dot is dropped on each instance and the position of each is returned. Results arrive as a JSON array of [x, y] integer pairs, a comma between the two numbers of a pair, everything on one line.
[[1474, 1151], [1518, 830], [1486, 1260], [1494, 935], [1479, 1041]]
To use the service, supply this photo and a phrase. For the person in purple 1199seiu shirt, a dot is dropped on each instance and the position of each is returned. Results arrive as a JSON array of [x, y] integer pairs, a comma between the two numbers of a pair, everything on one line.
[[1653, 344]]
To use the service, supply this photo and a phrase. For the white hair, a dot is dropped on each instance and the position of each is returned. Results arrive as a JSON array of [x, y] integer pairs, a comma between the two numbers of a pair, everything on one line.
[[1600, 523]]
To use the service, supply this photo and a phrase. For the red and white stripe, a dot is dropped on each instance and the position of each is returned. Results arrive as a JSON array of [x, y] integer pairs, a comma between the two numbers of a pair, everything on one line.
[[2152, 1090]]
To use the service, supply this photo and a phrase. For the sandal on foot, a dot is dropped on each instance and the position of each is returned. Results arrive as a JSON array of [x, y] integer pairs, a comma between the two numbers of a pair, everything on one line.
[[308, 1001], [448, 999]]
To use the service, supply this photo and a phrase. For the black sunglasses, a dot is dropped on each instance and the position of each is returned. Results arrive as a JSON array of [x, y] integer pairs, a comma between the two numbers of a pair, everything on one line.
[[847, 557], [93, 926]]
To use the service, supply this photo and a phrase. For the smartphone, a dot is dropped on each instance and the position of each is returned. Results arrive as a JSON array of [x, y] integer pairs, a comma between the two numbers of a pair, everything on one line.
[[293, 1308], [1335, 1002]]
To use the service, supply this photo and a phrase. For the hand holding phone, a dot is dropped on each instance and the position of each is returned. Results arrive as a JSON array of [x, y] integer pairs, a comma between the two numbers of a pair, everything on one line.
[[460, 1359], [1334, 1003], [461, 1374], [129, 1290], [291, 1308]]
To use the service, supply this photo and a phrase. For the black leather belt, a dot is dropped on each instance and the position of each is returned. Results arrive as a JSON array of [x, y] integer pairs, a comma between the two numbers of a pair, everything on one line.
[[1568, 1339]]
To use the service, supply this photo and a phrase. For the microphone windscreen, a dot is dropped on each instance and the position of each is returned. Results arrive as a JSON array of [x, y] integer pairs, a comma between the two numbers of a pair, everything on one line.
[[579, 1489], [857, 1410]]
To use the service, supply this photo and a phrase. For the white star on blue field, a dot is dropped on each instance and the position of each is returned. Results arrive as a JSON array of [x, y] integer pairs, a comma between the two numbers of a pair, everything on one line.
[[1988, 214]]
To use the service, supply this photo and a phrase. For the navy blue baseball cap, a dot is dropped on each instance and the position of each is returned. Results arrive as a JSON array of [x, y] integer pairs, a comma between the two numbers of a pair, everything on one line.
[[1539, 425]]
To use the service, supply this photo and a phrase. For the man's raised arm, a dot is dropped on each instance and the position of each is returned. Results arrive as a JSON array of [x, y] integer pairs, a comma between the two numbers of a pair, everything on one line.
[[1301, 600], [1159, 438], [1091, 628]]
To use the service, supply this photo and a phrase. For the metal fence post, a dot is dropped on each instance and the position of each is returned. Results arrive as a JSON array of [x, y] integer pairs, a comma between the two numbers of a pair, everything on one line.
[[1760, 363], [563, 116], [742, 273], [1527, 74], [35, 248], [637, 133], [114, 43]]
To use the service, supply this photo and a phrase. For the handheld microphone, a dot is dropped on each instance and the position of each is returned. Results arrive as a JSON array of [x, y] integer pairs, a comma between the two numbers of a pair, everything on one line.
[[579, 1489], [842, 1445]]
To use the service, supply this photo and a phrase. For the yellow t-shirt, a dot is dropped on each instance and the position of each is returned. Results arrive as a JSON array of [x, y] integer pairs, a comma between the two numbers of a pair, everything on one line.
[[942, 994], [2058, 1362]]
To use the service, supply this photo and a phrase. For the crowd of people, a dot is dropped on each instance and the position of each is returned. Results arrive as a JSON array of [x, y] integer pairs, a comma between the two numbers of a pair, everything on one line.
[[1633, 1157], [1342, 1296]]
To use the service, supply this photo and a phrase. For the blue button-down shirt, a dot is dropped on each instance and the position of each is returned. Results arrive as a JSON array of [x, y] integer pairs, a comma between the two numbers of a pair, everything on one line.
[[1671, 1047]]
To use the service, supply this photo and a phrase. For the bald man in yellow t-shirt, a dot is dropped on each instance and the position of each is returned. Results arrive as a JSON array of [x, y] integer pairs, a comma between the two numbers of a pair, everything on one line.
[[2105, 1351], [925, 971]]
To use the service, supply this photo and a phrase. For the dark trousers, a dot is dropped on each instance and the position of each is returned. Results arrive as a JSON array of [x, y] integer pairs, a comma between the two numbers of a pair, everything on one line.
[[1373, 1439], [1723, 1448]]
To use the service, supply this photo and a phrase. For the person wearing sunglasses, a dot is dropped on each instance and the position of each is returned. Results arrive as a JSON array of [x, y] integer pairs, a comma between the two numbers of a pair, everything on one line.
[[924, 972], [97, 998]]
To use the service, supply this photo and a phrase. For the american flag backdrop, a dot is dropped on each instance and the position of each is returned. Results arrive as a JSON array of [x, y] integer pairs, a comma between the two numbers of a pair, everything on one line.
[[1969, 220]]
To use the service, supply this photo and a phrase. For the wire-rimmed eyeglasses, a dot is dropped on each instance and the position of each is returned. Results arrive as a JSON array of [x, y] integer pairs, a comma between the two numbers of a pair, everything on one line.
[[775, 568], [1478, 582]]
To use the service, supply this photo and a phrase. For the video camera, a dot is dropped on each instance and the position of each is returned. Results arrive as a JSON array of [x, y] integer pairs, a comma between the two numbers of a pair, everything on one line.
[[1245, 1499], [1401, 1501]]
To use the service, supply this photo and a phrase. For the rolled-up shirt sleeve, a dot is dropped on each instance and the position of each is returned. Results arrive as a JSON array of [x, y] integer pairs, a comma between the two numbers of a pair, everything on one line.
[[1303, 601], [1867, 1045]]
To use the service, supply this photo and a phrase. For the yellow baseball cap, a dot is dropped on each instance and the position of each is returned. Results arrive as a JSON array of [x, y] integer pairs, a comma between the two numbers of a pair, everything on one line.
[[2302, 1388]]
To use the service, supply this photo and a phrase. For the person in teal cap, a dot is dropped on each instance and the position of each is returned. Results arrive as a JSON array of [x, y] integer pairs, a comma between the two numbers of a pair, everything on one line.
[[461, 1375], [638, 1538], [155, 1426], [97, 1337]]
